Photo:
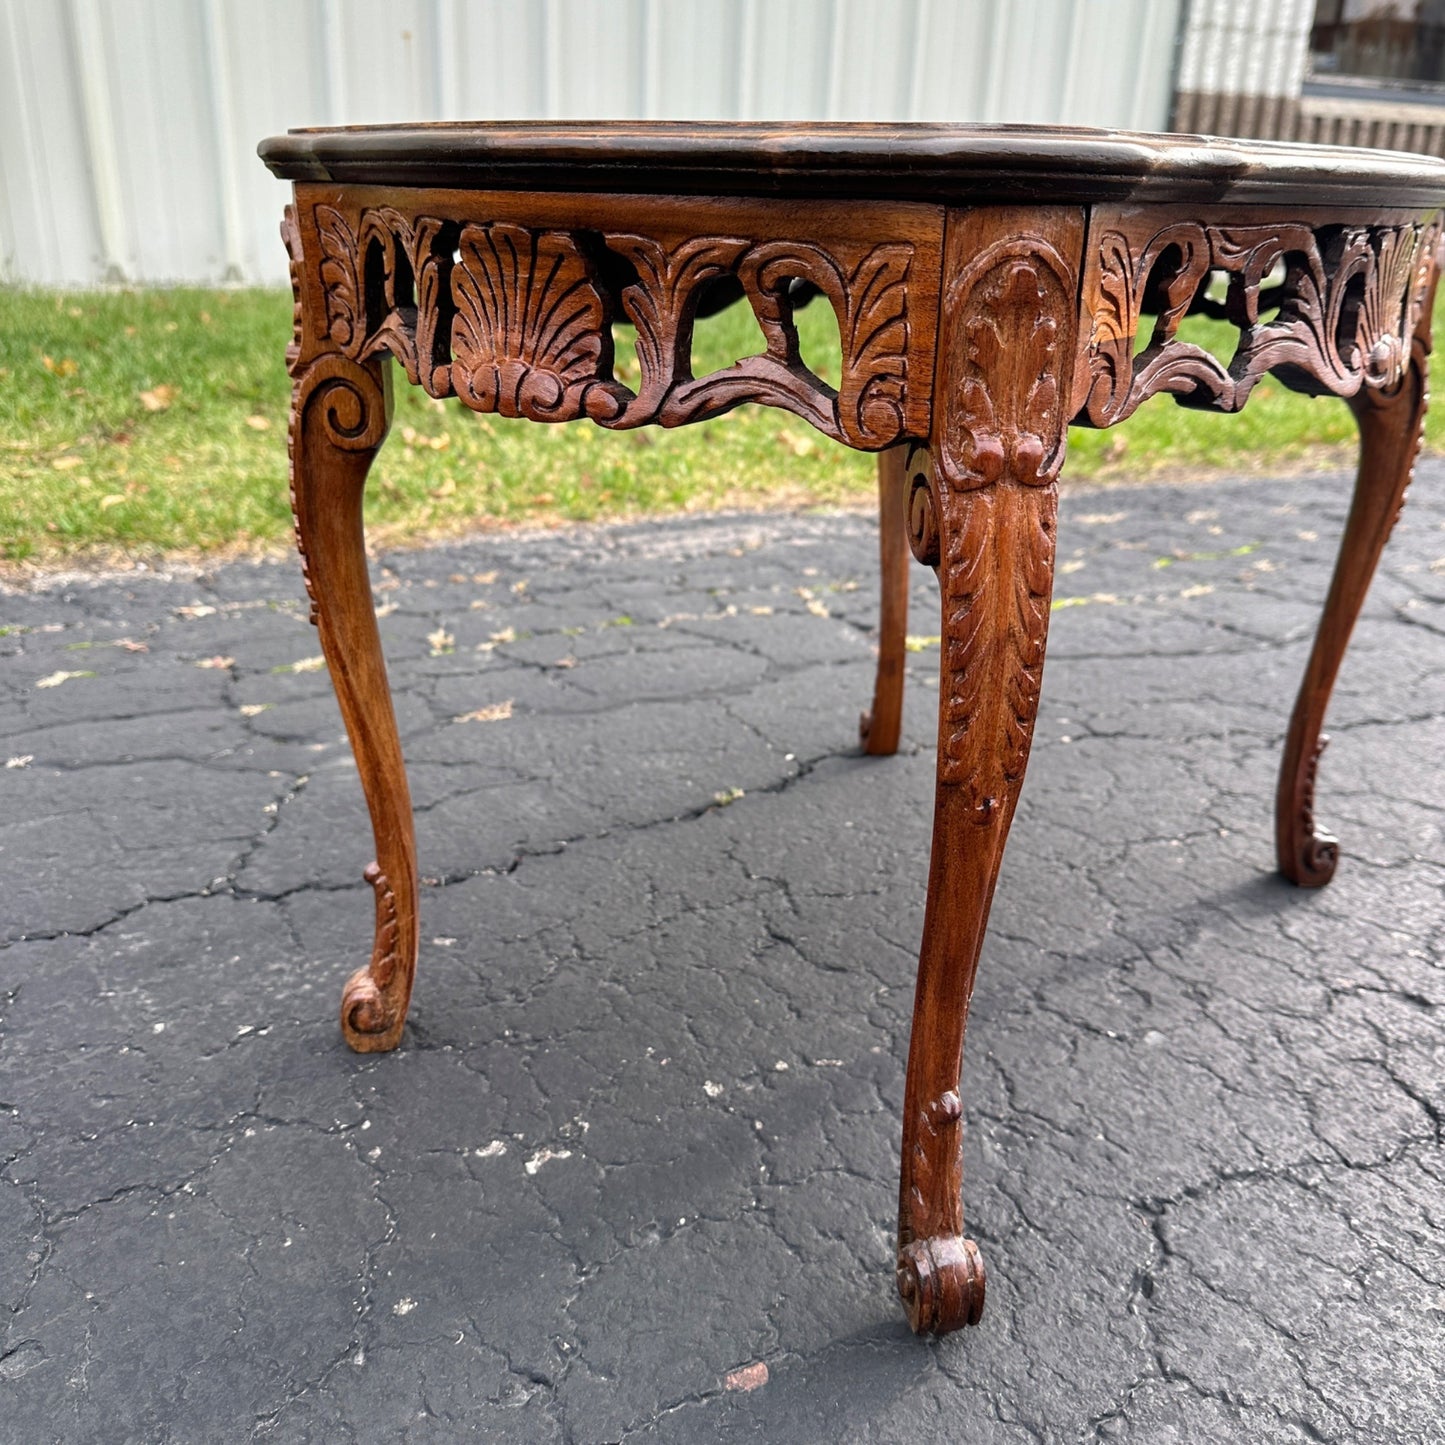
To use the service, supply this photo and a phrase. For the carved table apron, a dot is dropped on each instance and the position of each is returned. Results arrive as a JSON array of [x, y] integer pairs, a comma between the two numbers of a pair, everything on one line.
[[989, 286]]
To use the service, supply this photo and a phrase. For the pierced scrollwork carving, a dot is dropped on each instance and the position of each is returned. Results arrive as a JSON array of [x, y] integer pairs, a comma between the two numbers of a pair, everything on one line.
[[663, 306], [871, 303], [1344, 308], [403, 303], [519, 320]]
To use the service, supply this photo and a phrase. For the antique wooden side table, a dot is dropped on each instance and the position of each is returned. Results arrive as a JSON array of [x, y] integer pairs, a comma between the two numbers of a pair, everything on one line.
[[989, 286]]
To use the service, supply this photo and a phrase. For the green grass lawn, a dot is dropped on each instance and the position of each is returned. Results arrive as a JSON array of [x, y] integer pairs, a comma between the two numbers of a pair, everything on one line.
[[142, 421]]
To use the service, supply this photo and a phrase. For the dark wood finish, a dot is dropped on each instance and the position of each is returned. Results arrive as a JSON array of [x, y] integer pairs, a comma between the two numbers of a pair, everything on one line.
[[880, 726], [493, 262], [1391, 424], [941, 164]]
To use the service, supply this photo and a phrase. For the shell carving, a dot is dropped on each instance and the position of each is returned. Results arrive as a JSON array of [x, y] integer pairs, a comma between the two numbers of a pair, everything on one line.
[[532, 334]]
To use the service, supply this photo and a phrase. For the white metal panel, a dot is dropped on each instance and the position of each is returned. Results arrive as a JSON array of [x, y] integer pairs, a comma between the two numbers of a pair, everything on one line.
[[49, 228], [501, 58], [128, 127]]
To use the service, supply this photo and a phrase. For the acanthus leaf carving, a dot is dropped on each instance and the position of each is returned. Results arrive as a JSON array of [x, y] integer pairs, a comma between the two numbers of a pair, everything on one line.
[[1009, 373], [340, 280]]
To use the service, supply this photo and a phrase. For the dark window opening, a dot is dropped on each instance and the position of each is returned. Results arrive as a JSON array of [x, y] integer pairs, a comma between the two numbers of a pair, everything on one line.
[[1378, 50]]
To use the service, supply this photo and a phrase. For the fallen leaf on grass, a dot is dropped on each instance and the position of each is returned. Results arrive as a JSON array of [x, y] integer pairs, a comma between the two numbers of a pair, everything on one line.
[[800, 445], [65, 464], [158, 398], [258, 423], [497, 712], [111, 499], [56, 678], [66, 366], [216, 662], [414, 438]]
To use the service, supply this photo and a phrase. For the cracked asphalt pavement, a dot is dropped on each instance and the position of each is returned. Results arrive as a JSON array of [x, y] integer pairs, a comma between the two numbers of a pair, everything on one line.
[[632, 1174]]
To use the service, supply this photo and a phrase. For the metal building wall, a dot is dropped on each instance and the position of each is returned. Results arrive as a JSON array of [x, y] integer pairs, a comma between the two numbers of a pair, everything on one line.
[[128, 127], [1242, 64], [1242, 71]]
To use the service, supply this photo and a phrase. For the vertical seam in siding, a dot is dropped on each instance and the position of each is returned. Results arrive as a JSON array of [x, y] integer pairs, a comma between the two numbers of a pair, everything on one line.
[[222, 112], [100, 135]]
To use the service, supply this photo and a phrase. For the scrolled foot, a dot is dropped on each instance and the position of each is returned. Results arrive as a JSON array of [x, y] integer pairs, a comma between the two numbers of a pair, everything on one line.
[[368, 1021], [373, 1003], [1307, 856], [941, 1283], [1312, 863]]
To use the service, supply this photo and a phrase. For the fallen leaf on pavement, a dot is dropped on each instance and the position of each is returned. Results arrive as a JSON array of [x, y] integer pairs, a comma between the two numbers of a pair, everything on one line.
[[497, 712]]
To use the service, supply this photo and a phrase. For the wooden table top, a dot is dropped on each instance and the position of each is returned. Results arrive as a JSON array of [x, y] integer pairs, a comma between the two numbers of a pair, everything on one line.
[[948, 164]]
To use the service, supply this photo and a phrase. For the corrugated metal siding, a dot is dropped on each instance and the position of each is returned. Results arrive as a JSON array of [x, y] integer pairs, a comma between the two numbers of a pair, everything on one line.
[[1242, 70], [128, 127]]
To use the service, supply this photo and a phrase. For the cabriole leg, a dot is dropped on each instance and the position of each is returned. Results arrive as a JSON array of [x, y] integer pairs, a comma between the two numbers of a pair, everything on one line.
[[982, 507], [340, 413], [993, 550], [1390, 427], [879, 727]]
